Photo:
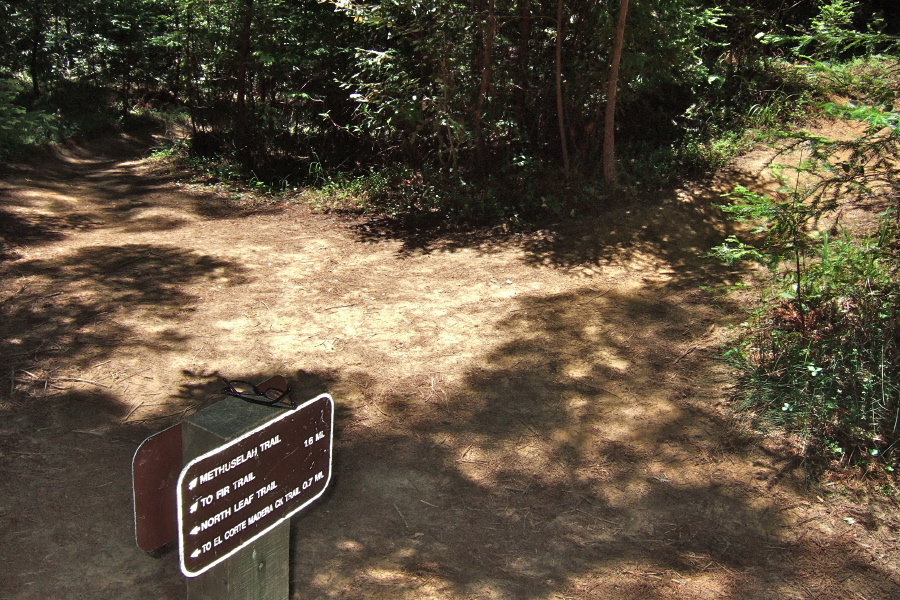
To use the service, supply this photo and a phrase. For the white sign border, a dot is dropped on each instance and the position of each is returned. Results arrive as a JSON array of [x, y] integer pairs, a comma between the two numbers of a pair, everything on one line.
[[287, 413]]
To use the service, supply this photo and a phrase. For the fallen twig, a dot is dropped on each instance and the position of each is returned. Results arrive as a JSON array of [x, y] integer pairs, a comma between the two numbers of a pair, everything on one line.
[[132, 375], [401, 516], [530, 428], [77, 380], [14, 294], [86, 432], [689, 350], [48, 380], [131, 412], [46, 383]]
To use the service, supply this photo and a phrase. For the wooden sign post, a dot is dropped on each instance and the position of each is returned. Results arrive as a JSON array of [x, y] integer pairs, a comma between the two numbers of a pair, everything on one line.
[[261, 569], [247, 469]]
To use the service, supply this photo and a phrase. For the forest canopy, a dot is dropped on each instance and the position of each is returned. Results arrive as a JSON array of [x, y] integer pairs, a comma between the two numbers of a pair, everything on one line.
[[458, 91]]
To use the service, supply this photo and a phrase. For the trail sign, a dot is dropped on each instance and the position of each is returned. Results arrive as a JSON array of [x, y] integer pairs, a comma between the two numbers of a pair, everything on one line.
[[155, 469], [236, 493]]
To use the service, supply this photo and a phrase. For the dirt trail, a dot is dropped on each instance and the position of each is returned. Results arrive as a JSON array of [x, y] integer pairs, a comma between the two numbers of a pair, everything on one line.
[[533, 416]]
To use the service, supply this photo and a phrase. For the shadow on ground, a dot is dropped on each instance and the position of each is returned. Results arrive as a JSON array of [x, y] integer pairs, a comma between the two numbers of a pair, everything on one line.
[[68, 453], [79, 304], [668, 232], [580, 459], [586, 454], [93, 184]]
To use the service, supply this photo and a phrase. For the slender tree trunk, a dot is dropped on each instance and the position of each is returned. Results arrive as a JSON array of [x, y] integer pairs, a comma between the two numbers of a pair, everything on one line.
[[524, 34], [559, 94], [521, 84], [609, 144], [37, 42], [243, 125], [446, 85], [490, 33], [190, 71]]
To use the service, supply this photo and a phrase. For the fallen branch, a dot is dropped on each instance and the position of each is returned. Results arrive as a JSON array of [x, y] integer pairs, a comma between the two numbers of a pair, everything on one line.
[[131, 412], [336, 307], [76, 380], [87, 432], [689, 350], [14, 294], [50, 380], [401, 516]]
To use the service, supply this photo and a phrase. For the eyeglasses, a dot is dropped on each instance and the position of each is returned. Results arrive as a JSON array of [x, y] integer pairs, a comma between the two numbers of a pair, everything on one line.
[[273, 392]]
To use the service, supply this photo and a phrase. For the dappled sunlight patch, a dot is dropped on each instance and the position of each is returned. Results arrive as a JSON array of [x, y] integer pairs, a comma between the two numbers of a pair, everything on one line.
[[476, 465], [488, 591], [48, 202], [384, 576], [350, 546], [711, 585], [152, 222], [330, 582], [233, 325], [554, 437]]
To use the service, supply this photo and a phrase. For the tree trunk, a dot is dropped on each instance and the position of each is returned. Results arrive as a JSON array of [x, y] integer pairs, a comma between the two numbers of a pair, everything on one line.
[[524, 36], [486, 74], [37, 42], [559, 95], [609, 144], [243, 125]]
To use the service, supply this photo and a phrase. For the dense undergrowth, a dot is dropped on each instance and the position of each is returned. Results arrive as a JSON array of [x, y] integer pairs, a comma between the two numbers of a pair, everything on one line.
[[521, 189], [820, 354], [450, 112]]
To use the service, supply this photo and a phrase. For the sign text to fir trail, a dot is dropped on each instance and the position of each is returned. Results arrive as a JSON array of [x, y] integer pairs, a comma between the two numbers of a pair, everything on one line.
[[234, 494]]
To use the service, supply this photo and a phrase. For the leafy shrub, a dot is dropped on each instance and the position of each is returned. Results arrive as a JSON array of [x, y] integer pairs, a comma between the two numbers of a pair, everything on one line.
[[18, 125], [832, 35], [829, 367], [872, 80], [821, 356]]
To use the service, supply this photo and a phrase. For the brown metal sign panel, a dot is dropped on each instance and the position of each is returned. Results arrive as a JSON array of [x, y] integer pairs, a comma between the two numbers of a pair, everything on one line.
[[155, 468], [231, 496]]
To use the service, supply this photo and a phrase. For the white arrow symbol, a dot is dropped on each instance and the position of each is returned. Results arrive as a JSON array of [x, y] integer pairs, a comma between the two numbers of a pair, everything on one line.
[[192, 484], [196, 553], [194, 507], [195, 530]]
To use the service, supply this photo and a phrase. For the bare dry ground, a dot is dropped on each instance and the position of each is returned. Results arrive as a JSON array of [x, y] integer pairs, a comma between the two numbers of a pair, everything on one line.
[[525, 416]]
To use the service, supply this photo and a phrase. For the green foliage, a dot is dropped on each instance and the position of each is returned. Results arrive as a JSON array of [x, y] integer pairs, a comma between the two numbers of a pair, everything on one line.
[[858, 168], [871, 80], [433, 197], [783, 222], [875, 118], [460, 93], [831, 34], [822, 354], [832, 372], [19, 126]]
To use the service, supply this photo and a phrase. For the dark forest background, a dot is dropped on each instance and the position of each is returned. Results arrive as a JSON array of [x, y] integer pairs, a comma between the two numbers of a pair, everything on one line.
[[433, 95]]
